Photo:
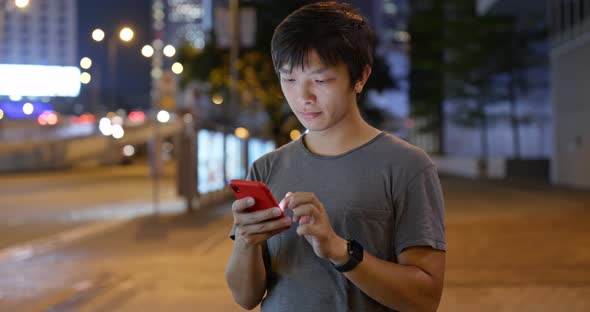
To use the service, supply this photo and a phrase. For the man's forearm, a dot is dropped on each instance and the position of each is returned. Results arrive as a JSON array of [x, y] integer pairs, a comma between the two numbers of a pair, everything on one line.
[[401, 287], [245, 275]]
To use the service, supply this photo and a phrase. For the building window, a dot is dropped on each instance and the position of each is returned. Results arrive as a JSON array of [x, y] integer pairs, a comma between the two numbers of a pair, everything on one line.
[[562, 16], [568, 14], [61, 20], [573, 16], [584, 8]]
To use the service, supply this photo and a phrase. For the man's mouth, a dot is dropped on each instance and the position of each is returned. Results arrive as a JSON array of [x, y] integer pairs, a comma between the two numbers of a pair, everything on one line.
[[310, 116]]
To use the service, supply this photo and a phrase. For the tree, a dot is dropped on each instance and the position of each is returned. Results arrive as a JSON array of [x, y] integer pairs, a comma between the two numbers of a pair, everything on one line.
[[258, 85], [526, 52], [474, 55], [426, 26], [471, 62]]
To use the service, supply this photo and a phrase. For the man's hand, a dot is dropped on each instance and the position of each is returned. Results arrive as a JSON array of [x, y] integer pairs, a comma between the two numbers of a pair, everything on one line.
[[315, 226], [255, 227]]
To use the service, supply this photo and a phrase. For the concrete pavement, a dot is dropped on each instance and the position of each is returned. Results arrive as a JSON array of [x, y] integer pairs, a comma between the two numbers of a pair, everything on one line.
[[513, 246]]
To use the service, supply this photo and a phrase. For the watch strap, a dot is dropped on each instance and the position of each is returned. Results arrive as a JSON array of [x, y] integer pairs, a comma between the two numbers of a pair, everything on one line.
[[355, 256]]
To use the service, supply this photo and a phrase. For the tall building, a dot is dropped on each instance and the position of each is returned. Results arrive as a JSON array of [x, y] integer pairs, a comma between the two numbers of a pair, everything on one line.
[[570, 65], [188, 21], [43, 33]]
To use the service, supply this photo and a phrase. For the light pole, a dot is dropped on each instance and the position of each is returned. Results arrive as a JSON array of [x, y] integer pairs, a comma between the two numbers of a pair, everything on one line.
[[92, 76], [125, 35]]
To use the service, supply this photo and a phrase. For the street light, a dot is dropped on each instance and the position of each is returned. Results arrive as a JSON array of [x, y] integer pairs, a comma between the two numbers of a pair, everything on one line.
[[98, 35], [85, 63], [169, 51], [242, 133], [294, 134], [85, 78], [147, 50], [126, 34], [21, 4], [177, 68], [217, 99]]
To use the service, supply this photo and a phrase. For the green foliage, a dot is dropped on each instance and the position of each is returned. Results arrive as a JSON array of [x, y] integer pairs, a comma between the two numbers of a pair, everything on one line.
[[258, 85], [471, 61], [426, 26]]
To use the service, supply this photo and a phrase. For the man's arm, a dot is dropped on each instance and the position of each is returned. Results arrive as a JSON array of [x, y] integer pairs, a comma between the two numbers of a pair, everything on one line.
[[415, 284], [245, 273]]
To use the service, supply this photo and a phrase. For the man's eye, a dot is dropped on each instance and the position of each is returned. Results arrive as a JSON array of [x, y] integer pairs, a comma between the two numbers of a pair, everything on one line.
[[288, 79]]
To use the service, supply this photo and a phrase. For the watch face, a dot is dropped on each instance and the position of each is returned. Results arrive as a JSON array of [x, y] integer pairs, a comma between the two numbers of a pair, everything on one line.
[[355, 250]]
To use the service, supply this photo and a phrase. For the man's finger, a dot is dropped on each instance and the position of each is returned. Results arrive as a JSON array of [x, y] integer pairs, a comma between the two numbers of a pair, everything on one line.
[[265, 227], [301, 198], [306, 210], [257, 216], [242, 204], [284, 202], [308, 229]]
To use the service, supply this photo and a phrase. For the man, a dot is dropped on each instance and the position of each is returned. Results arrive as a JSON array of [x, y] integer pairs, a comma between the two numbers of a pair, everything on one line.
[[365, 209]]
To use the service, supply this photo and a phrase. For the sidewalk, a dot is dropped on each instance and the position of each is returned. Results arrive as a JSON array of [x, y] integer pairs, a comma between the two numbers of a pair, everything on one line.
[[513, 246]]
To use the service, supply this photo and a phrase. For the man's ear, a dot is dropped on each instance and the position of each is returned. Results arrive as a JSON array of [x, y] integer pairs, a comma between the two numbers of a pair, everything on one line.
[[360, 84]]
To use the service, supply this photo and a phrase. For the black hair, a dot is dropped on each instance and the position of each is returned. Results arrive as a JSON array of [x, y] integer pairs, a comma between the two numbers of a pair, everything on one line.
[[336, 31]]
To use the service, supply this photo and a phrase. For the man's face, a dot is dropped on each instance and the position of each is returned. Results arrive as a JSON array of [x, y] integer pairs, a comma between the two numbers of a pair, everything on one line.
[[319, 95]]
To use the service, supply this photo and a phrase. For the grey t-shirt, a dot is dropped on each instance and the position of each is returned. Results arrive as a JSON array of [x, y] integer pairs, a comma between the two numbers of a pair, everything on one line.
[[384, 194]]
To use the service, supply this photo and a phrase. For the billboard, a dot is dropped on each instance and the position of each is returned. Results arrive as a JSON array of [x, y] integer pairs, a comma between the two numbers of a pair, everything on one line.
[[38, 80], [210, 161], [257, 148], [234, 158]]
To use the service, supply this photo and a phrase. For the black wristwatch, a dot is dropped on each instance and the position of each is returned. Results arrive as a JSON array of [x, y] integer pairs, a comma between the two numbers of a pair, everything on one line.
[[355, 256]]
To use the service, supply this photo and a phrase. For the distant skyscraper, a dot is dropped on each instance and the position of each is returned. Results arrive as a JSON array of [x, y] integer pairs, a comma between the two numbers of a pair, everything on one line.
[[188, 21], [44, 33]]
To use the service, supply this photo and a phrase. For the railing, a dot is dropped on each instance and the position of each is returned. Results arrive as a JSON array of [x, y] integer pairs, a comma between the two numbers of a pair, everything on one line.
[[569, 20]]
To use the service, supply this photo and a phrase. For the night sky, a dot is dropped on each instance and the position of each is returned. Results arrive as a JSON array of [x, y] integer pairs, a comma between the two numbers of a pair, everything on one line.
[[133, 70]]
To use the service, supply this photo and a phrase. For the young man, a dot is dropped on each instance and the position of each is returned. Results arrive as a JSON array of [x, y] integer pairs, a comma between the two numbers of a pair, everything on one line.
[[365, 209]]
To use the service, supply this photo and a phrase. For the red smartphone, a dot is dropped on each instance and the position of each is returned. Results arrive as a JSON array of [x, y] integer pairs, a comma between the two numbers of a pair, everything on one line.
[[263, 198]]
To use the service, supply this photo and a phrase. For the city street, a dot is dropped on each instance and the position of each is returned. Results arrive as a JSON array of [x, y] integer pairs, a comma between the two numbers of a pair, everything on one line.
[[38, 204], [513, 246]]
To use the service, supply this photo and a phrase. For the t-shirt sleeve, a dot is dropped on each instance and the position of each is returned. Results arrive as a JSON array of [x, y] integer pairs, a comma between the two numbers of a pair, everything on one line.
[[422, 218]]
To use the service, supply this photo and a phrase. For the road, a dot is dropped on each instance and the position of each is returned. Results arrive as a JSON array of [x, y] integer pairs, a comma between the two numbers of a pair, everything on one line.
[[37, 204], [513, 246]]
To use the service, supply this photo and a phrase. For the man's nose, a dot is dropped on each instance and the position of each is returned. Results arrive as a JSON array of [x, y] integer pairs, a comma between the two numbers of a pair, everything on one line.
[[306, 94]]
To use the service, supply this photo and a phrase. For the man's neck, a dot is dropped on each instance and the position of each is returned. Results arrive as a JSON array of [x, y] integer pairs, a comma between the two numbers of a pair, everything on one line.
[[340, 138]]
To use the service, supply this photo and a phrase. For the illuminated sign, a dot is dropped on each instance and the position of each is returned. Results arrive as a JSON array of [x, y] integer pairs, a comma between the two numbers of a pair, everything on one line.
[[210, 161], [37, 80], [234, 156], [257, 148], [17, 110]]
